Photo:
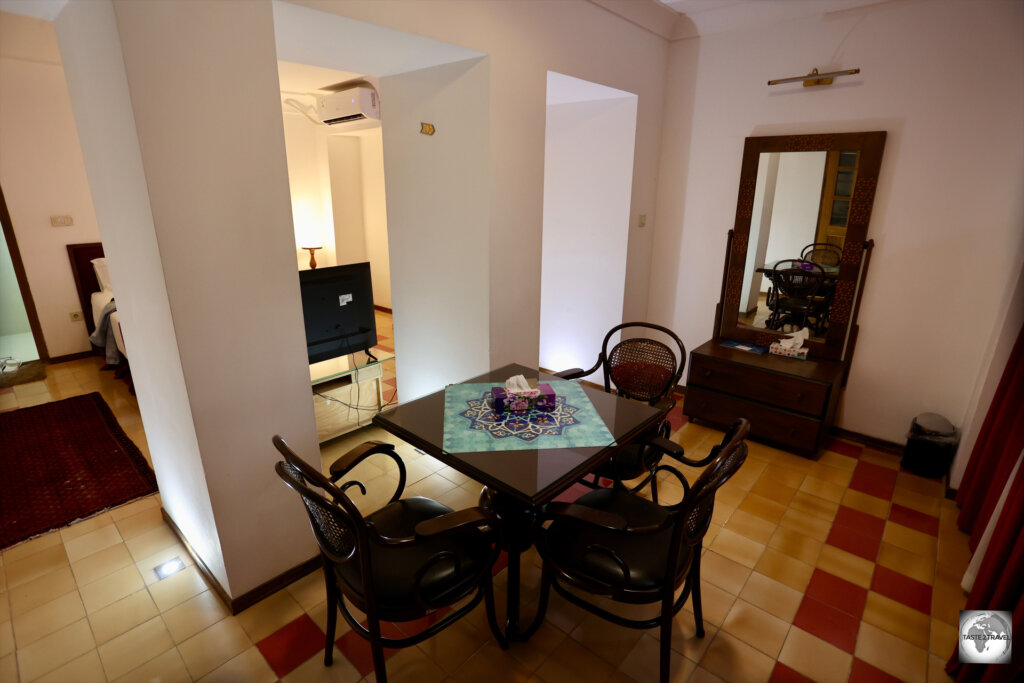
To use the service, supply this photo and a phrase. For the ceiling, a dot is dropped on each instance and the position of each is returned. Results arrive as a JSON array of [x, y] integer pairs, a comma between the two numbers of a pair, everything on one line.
[[719, 16]]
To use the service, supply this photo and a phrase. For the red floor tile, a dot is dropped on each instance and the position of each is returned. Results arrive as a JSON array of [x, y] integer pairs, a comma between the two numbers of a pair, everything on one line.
[[863, 672], [828, 623], [675, 417], [874, 480], [783, 674], [391, 382], [903, 589], [500, 563], [861, 522], [291, 645], [572, 493], [914, 519], [839, 593], [357, 650], [384, 348], [411, 628], [843, 448], [854, 542]]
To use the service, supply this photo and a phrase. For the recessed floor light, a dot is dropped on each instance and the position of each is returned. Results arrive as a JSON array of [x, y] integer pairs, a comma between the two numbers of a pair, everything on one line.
[[168, 568]]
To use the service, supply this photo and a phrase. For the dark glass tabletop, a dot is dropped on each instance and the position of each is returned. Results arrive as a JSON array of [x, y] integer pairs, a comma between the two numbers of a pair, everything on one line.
[[533, 476]]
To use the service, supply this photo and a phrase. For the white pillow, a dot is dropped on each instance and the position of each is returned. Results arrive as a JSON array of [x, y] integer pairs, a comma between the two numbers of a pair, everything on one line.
[[99, 266]]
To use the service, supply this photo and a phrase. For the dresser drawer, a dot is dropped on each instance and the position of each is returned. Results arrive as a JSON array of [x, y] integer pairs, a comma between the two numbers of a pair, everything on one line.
[[785, 391], [780, 427]]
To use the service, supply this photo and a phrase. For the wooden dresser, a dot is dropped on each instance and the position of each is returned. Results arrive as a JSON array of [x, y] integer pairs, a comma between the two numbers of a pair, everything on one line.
[[790, 403]]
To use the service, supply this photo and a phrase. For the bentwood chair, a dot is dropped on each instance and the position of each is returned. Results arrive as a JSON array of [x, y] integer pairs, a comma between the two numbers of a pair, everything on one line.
[[411, 559], [642, 369], [617, 545], [796, 296], [823, 253]]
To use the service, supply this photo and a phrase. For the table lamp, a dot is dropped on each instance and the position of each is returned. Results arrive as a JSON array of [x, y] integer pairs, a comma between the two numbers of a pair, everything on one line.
[[312, 256]]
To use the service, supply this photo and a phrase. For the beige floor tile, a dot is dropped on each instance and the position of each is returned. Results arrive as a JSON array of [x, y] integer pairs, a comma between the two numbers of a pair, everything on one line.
[[771, 489], [101, 563], [736, 662], [907, 563], [738, 548], [943, 638], [6, 639], [84, 669], [431, 486], [814, 658], [892, 655], [932, 488], [134, 648], [702, 675], [55, 650], [823, 489], [123, 615], [842, 462], [208, 649], [929, 505], [756, 627], [715, 604], [310, 590], [490, 663], [720, 515], [250, 666], [937, 670], [166, 668], [452, 647], [898, 619], [781, 475], [796, 545], [772, 596], [111, 588], [92, 542], [151, 542], [876, 507], [410, 665], [23, 550], [145, 520], [35, 565], [270, 614], [785, 569], [887, 460], [86, 526], [727, 574], [833, 475], [730, 497], [194, 615], [948, 599], [570, 662], [5, 606], [608, 641], [47, 618], [177, 588], [808, 525], [134, 507], [753, 527], [913, 540], [684, 635], [846, 566], [28, 596], [813, 505], [642, 663], [313, 671]]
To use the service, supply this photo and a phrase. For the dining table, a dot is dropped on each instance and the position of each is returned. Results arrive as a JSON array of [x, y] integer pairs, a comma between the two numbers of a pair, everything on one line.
[[523, 460]]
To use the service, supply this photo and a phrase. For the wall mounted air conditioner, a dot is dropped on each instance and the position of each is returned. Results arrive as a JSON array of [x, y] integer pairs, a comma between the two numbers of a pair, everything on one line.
[[352, 105]]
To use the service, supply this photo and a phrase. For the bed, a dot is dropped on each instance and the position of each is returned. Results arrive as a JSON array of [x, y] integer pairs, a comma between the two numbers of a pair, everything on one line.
[[88, 266]]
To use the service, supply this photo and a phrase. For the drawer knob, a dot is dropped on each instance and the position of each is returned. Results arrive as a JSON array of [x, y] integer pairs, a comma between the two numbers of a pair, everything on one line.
[[707, 373], [800, 396]]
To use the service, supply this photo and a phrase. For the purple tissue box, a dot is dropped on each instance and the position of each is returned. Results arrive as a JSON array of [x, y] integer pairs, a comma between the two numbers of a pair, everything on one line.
[[504, 401]]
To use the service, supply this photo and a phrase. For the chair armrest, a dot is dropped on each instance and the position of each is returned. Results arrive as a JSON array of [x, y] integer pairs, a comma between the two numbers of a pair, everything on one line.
[[341, 466], [582, 513], [676, 451], [571, 373], [456, 521]]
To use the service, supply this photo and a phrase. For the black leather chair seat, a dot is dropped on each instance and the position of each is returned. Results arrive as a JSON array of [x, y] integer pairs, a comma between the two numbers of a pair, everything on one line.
[[626, 464], [567, 543], [395, 567]]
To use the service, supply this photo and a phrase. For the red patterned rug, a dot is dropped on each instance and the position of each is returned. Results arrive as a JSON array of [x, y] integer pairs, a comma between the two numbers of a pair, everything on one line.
[[62, 461]]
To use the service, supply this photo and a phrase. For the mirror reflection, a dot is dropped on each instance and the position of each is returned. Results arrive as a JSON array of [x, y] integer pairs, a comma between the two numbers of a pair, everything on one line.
[[797, 233]]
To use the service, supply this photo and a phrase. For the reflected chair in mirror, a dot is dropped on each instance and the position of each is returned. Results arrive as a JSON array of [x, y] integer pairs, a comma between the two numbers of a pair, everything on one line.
[[413, 559], [823, 253], [641, 369], [797, 296], [621, 547]]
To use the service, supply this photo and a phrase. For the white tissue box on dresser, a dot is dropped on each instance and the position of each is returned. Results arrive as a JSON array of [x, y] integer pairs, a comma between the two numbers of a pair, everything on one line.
[[778, 350]]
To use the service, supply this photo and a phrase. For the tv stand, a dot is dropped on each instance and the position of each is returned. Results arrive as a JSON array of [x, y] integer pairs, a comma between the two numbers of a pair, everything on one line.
[[347, 392]]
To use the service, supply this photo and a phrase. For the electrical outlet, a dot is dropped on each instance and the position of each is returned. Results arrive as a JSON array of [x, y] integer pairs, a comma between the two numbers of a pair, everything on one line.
[[76, 316], [61, 221], [643, 221]]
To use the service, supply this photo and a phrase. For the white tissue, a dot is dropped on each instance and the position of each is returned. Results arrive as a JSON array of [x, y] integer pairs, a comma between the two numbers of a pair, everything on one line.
[[796, 340], [517, 384]]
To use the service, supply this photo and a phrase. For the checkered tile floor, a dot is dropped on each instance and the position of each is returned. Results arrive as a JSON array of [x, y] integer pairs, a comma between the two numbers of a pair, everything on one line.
[[842, 569]]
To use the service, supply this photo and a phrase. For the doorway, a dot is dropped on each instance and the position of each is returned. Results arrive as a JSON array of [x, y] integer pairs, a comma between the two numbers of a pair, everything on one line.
[[21, 339]]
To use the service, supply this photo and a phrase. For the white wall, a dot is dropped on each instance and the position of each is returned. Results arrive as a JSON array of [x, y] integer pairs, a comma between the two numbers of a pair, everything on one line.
[[346, 177], [42, 174], [796, 205], [940, 78], [588, 168], [375, 214], [309, 183], [13, 318]]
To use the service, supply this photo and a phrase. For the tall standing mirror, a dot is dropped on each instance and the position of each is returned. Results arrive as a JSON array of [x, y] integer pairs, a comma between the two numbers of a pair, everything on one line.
[[798, 243]]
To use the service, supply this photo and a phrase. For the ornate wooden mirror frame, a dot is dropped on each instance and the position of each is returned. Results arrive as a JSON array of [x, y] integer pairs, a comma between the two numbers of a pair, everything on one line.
[[850, 276]]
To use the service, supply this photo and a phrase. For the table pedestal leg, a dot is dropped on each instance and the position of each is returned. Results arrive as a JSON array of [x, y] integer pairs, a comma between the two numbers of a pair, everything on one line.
[[517, 526]]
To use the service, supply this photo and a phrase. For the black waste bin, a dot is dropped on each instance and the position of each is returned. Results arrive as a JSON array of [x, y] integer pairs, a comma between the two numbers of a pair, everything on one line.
[[931, 445]]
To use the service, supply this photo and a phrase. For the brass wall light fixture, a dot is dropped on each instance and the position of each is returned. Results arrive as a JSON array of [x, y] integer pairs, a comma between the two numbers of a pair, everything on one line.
[[815, 78]]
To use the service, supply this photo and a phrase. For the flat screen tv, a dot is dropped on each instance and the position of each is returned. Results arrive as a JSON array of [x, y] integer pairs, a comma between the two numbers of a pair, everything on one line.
[[337, 305]]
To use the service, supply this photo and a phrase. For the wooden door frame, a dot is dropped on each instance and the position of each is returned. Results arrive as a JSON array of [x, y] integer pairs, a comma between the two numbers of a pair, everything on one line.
[[19, 274]]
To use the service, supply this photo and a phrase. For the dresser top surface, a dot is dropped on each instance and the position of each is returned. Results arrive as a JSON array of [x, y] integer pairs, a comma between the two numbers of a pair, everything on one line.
[[821, 370]]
